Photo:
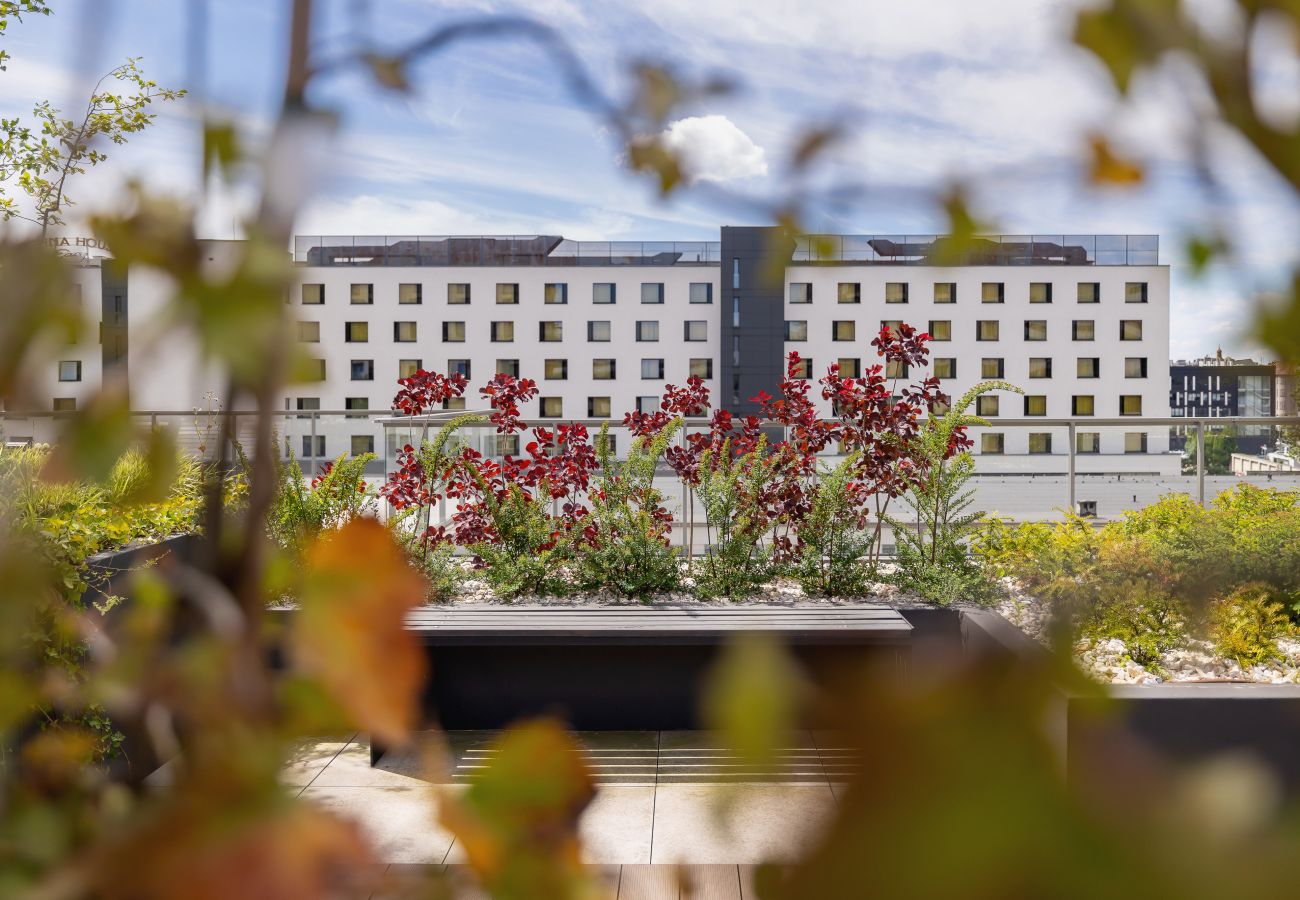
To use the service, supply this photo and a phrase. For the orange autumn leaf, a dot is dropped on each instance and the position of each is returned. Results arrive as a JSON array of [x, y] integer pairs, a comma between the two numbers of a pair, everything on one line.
[[1108, 167], [349, 634]]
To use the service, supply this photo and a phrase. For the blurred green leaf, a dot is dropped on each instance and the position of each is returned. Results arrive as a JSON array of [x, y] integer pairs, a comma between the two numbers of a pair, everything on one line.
[[753, 698], [93, 440], [221, 148]]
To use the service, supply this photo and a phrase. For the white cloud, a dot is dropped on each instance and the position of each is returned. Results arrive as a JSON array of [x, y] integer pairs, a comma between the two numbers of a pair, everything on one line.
[[713, 148]]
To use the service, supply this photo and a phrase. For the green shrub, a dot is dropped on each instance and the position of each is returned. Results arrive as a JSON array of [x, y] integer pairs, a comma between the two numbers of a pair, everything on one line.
[[1140, 613], [442, 570], [625, 545], [832, 542], [527, 553], [736, 563], [302, 510], [1245, 624], [1055, 560]]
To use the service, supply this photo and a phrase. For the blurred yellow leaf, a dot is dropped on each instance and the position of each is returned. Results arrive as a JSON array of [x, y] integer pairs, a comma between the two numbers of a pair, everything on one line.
[[349, 633], [389, 71], [650, 155], [518, 820], [1108, 167]]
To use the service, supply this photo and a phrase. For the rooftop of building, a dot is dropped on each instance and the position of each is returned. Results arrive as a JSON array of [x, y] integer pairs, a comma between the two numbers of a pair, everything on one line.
[[812, 249]]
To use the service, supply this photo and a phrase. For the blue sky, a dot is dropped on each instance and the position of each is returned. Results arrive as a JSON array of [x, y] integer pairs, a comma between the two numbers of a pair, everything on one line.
[[491, 143]]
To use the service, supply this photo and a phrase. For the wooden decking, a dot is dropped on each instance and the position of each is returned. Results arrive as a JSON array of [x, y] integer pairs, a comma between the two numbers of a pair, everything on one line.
[[552, 625]]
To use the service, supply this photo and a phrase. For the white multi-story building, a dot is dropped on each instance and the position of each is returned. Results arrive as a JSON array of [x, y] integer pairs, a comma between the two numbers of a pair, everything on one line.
[[1079, 322]]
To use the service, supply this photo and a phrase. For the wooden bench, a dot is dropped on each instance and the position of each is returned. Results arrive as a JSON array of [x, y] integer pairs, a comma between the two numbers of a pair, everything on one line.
[[620, 667]]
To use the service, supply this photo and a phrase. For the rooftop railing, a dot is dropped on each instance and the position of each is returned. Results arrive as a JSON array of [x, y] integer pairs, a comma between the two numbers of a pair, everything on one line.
[[496, 250], [985, 250]]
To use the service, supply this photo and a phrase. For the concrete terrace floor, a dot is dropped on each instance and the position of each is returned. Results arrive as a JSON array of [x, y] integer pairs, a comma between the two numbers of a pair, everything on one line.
[[657, 805]]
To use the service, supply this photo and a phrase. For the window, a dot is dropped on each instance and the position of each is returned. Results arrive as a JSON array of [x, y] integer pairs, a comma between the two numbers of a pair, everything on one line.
[[307, 404], [408, 367], [800, 292], [1082, 405], [410, 294], [1035, 329], [603, 293], [1040, 292], [454, 403], [503, 332], [945, 292], [1135, 292], [986, 330], [1088, 367], [458, 294], [701, 292], [598, 331], [1135, 442], [1089, 292], [702, 367], [1040, 367], [796, 331], [453, 332], [315, 370], [892, 324], [850, 367], [507, 444], [1130, 404], [697, 331], [992, 444], [735, 312], [598, 407], [945, 367], [1130, 330], [508, 367], [313, 448], [550, 332], [604, 369], [356, 332], [70, 370], [1083, 330], [356, 403], [844, 330], [987, 405], [802, 369], [1135, 367], [313, 294], [992, 292], [1035, 405], [363, 294], [508, 294], [1040, 442], [556, 369], [652, 292], [363, 370], [550, 407], [1087, 442], [404, 332], [895, 369], [895, 291], [647, 331], [991, 367], [458, 367], [850, 292], [555, 294], [940, 330], [362, 444], [735, 271], [652, 368], [309, 332], [647, 404]]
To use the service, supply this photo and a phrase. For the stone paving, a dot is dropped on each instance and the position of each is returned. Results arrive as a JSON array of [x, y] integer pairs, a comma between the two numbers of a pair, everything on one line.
[[657, 799]]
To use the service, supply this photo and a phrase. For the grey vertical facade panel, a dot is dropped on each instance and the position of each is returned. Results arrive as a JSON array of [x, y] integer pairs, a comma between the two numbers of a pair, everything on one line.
[[760, 253], [113, 316]]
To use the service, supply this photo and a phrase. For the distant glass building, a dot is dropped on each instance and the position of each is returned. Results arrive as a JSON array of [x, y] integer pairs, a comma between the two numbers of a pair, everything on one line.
[[1223, 387]]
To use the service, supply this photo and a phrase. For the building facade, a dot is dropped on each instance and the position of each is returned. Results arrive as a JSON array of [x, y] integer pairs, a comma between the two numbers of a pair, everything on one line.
[[1080, 323], [1220, 386]]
